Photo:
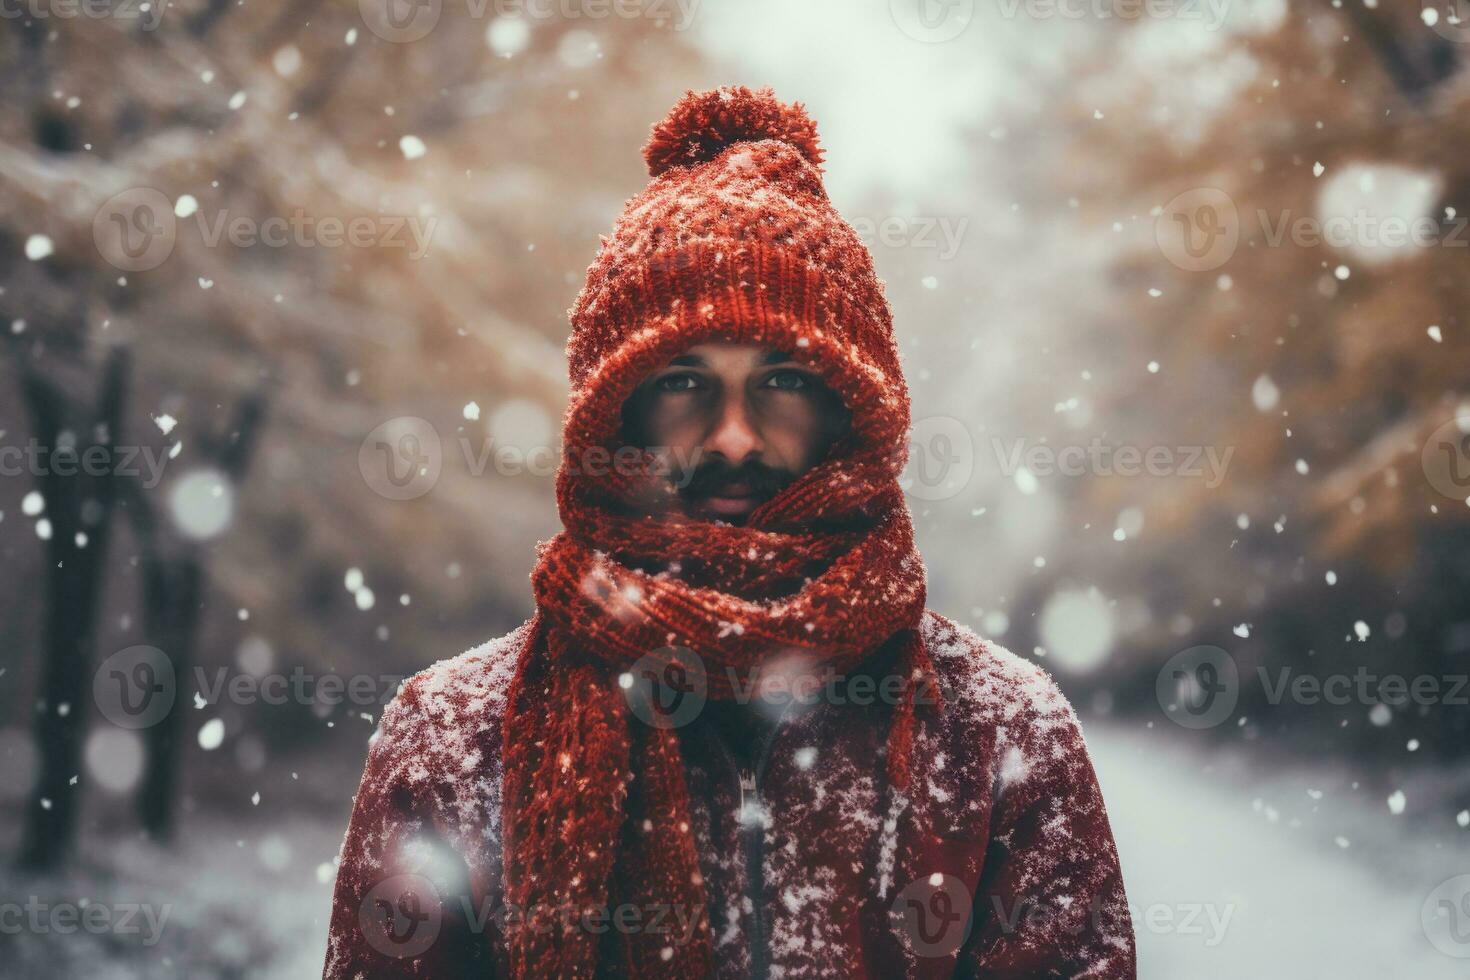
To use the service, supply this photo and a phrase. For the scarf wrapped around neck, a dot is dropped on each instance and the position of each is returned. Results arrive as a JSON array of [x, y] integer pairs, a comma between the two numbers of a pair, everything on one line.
[[827, 566]]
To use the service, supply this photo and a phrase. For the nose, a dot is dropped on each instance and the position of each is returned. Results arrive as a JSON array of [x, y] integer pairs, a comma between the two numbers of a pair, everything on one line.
[[734, 434]]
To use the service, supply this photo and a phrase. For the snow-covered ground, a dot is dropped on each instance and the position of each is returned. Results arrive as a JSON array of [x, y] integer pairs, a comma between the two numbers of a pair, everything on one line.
[[1238, 861], [1235, 868], [226, 904]]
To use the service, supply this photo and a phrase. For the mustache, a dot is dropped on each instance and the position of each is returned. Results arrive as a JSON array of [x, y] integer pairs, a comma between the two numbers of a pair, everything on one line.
[[712, 474]]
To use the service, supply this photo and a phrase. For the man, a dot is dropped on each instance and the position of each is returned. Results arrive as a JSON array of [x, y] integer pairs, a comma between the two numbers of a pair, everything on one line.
[[731, 742]]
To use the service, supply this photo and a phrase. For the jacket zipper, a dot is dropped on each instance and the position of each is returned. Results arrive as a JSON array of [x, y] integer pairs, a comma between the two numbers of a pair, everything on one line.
[[753, 834]]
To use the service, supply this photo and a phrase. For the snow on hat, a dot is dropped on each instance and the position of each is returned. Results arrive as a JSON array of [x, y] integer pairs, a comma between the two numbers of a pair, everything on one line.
[[734, 239]]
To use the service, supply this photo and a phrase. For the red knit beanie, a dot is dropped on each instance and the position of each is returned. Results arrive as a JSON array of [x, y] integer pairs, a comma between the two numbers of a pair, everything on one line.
[[734, 239]]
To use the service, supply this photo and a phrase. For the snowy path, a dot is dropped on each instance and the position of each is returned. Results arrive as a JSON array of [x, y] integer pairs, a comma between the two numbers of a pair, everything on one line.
[[1257, 847], [1232, 864]]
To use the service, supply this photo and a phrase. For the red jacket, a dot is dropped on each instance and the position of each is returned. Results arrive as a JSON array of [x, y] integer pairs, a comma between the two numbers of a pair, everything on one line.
[[1031, 886]]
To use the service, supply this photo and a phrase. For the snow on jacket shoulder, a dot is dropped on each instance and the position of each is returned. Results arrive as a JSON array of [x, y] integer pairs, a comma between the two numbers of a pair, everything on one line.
[[1020, 876]]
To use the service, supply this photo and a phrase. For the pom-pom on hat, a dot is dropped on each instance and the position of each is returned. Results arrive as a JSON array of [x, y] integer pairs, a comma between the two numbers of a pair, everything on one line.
[[703, 124], [734, 239]]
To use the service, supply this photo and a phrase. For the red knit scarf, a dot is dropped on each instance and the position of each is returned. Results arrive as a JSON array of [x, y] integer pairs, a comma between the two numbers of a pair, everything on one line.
[[827, 565]]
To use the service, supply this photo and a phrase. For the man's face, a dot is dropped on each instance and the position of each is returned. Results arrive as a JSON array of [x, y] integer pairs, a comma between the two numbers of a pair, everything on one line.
[[740, 421]]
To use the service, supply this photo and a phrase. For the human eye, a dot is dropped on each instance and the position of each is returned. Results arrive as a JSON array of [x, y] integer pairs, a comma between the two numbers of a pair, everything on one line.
[[788, 380], [682, 381]]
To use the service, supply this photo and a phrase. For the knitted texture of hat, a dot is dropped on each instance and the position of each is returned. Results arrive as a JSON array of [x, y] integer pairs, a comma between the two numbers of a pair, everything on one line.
[[735, 240]]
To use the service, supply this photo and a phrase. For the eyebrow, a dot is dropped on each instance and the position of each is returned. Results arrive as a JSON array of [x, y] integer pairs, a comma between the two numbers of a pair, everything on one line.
[[694, 360]]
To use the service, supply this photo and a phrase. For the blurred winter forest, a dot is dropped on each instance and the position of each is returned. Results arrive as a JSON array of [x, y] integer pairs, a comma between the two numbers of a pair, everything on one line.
[[1178, 382]]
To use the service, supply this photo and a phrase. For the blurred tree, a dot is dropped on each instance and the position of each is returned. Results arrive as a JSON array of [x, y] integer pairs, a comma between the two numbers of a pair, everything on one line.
[[78, 514], [1324, 367], [481, 158]]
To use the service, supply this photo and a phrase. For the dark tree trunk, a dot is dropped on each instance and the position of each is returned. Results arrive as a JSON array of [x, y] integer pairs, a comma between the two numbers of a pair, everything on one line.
[[173, 596], [75, 503], [174, 583]]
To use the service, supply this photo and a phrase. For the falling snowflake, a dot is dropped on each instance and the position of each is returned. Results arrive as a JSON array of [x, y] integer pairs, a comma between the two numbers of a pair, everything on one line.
[[38, 247]]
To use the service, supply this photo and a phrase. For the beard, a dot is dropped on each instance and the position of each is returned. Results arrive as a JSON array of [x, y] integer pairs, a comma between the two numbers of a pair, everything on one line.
[[751, 481]]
